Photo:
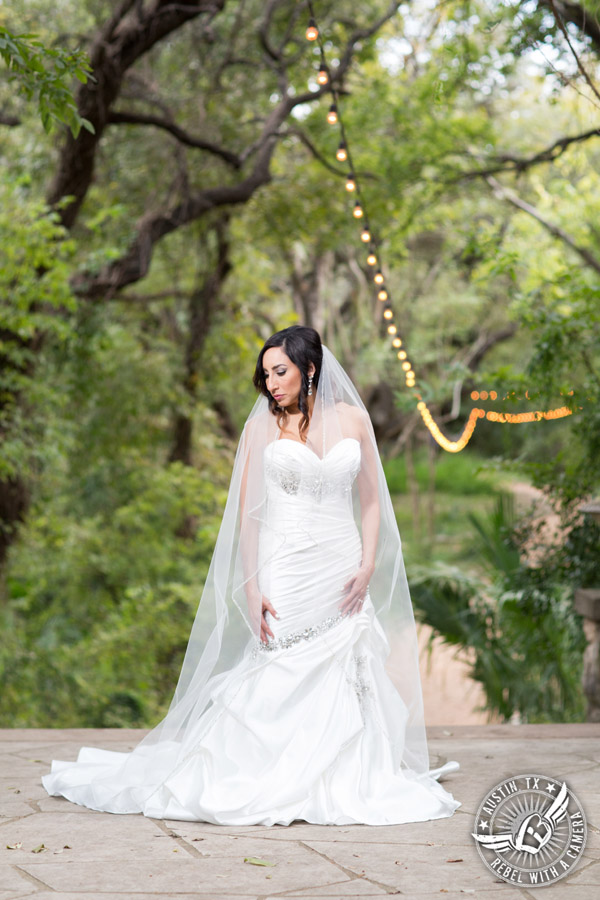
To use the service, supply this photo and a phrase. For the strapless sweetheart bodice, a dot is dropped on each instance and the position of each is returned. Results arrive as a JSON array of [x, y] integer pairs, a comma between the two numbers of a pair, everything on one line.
[[294, 469]]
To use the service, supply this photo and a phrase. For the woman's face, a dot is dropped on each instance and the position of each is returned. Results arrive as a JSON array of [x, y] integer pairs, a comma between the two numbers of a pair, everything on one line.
[[283, 377]]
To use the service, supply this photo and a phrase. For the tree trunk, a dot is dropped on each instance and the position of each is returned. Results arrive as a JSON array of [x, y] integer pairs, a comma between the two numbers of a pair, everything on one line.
[[133, 29], [202, 305]]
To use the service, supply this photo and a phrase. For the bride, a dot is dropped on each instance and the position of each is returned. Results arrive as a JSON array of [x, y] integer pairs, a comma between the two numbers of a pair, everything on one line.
[[284, 709]]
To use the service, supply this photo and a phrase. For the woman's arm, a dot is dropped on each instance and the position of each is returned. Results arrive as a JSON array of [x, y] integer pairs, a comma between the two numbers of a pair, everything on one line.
[[357, 586]]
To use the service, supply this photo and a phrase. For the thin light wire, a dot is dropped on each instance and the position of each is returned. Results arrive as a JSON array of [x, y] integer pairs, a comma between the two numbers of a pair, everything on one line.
[[476, 413]]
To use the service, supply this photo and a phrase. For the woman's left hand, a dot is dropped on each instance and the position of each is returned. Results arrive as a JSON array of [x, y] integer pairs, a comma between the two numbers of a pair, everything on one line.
[[357, 589]]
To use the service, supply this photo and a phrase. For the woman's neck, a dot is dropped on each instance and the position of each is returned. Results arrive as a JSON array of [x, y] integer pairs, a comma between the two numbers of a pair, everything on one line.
[[296, 412]]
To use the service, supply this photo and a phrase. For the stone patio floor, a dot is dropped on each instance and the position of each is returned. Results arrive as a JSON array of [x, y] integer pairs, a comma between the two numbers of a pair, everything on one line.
[[91, 855]]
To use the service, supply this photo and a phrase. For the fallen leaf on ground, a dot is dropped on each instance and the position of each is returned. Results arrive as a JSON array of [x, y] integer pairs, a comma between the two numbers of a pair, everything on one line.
[[258, 862], [16, 846], [39, 849], [454, 860]]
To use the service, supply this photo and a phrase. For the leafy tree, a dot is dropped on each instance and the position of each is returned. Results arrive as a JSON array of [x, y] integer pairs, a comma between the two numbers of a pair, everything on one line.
[[518, 624], [44, 74], [206, 210]]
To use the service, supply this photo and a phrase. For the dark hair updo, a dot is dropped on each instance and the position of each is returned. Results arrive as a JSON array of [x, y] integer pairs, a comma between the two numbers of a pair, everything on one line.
[[303, 345]]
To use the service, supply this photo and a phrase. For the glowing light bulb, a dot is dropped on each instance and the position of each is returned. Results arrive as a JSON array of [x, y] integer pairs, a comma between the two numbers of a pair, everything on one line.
[[392, 329], [397, 342], [371, 259], [312, 31], [383, 294], [402, 354], [341, 153], [332, 115], [350, 183], [378, 277], [406, 366], [365, 235], [387, 314], [322, 76], [357, 212]]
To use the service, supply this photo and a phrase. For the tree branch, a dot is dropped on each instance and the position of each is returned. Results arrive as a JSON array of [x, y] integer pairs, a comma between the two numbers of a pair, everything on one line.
[[8, 120], [155, 225], [156, 295], [336, 75], [123, 117], [578, 15], [297, 132], [521, 163], [560, 22], [130, 33], [504, 193], [484, 342]]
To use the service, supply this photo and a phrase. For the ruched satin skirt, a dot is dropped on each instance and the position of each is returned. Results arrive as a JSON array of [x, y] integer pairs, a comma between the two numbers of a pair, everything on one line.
[[310, 729]]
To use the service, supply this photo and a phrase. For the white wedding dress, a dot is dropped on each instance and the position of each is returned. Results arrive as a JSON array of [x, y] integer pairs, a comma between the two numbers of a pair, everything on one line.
[[309, 727]]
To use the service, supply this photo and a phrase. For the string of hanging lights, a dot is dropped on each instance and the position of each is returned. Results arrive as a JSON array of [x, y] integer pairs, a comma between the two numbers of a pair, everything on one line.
[[359, 212]]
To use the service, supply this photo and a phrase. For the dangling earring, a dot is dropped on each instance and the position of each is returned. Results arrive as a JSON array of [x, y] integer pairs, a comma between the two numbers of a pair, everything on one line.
[[310, 378]]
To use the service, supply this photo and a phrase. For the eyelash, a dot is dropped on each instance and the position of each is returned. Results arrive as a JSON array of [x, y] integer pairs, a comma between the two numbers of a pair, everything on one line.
[[279, 373]]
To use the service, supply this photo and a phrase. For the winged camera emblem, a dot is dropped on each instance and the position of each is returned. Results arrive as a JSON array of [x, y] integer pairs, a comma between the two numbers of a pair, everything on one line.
[[533, 833]]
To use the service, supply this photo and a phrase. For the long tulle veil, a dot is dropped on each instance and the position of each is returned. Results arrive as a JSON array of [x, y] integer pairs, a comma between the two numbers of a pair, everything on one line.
[[225, 631]]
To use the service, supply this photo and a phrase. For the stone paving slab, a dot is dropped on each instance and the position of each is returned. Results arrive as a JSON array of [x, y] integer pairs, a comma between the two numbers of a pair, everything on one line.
[[98, 856]]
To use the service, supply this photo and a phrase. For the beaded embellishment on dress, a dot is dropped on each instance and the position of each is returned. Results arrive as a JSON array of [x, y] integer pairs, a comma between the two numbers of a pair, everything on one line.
[[317, 477], [360, 683], [316, 485], [305, 634]]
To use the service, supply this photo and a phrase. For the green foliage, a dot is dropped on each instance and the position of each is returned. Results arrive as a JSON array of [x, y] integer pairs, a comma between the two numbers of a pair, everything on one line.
[[564, 318], [36, 298], [457, 474], [577, 559], [527, 642], [44, 73], [100, 590], [101, 606]]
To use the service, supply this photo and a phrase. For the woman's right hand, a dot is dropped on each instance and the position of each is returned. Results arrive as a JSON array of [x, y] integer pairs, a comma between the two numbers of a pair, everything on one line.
[[257, 601]]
